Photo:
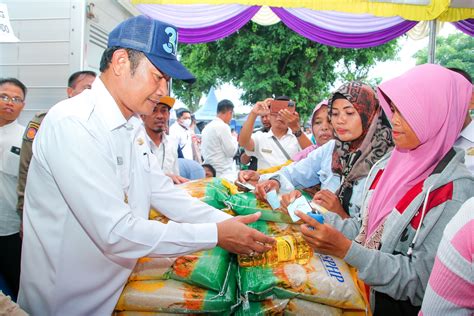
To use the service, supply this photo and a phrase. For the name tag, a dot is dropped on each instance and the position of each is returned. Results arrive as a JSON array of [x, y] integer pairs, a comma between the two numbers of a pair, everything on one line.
[[15, 150], [265, 150]]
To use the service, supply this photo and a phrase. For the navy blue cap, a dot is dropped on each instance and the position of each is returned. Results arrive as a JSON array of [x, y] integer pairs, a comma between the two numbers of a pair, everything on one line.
[[157, 40]]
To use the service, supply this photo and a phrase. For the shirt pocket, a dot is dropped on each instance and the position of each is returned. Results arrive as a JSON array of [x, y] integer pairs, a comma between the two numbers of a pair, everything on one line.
[[11, 163]]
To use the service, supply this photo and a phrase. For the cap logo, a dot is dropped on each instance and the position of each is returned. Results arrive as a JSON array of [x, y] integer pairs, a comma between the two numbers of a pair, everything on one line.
[[170, 47]]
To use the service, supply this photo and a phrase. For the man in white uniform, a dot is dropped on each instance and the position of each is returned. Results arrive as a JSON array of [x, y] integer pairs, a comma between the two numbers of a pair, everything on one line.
[[164, 149], [278, 145], [218, 145], [12, 98], [92, 180]]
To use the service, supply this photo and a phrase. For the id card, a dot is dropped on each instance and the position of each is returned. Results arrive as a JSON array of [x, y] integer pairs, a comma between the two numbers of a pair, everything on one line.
[[301, 205]]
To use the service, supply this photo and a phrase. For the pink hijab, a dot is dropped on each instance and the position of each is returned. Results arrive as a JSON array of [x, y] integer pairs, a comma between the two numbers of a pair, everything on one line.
[[305, 152], [434, 101]]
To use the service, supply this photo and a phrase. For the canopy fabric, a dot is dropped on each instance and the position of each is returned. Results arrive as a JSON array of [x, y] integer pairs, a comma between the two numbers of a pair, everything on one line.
[[415, 10], [265, 16], [351, 39], [327, 27], [467, 26], [201, 23]]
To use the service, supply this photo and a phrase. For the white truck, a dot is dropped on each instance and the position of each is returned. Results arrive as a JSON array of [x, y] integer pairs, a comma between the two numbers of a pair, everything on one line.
[[57, 38]]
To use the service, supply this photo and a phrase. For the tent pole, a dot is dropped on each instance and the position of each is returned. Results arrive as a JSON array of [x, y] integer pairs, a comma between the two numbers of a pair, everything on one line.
[[432, 42]]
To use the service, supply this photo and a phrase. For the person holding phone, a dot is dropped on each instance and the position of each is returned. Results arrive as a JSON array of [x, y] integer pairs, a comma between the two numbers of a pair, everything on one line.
[[284, 139], [363, 136]]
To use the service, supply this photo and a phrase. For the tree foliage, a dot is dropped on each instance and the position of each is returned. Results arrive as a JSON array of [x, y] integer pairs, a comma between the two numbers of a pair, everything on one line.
[[267, 61], [455, 50]]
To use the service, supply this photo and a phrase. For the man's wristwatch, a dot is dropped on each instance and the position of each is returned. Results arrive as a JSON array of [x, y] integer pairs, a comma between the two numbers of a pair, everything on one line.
[[298, 133]]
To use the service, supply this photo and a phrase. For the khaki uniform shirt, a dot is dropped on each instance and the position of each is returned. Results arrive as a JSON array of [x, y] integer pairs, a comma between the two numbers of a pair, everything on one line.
[[25, 156]]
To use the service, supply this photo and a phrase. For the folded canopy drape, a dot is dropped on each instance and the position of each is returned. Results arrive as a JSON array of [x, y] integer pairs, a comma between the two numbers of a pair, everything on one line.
[[200, 23]]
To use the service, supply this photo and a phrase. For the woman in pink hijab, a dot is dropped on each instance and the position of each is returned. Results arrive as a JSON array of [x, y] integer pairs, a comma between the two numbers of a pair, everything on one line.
[[321, 128], [411, 194]]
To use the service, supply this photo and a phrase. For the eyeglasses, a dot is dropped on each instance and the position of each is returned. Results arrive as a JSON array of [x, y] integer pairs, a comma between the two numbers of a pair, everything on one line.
[[5, 98]]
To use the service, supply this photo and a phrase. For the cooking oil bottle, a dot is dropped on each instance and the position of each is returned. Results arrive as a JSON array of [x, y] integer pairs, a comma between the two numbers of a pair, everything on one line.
[[287, 248]]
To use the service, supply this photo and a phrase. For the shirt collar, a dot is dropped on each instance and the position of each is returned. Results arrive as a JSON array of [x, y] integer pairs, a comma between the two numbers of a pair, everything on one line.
[[105, 103], [270, 133], [468, 132], [10, 126], [164, 140]]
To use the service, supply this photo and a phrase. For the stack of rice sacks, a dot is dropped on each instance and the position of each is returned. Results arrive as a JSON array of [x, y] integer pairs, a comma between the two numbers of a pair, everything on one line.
[[211, 281]]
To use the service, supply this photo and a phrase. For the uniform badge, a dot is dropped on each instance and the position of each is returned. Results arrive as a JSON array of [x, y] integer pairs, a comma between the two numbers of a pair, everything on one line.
[[31, 131], [265, 150], [470, 151], [140, 141]]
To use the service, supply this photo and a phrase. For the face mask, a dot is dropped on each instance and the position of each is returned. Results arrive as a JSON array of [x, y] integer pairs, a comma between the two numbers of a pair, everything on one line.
[[186, 123]]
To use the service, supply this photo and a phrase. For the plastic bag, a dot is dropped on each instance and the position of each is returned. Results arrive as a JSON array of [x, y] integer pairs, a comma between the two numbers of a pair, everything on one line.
[[213, 191], [172, 296], [246, 203], [324, 279], [275, 306]]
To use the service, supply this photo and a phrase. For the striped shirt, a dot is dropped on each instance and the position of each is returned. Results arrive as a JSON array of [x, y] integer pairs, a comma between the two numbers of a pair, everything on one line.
[[450, 289]]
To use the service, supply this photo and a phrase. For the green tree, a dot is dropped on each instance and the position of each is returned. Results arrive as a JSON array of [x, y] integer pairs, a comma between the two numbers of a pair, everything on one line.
[[455, 50], [267, 61]]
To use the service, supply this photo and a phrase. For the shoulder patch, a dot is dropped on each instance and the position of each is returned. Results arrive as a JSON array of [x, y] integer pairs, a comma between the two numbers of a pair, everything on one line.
[[31, 131]]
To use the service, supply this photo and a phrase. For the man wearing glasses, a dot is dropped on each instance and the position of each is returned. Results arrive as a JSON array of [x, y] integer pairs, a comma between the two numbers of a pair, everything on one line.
[[12, 96]]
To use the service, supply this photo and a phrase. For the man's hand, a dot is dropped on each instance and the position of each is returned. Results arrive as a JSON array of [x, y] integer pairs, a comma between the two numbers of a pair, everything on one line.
[[177, 179], [263, 187], [262, 107], [324, 238], [249, 176], [331, 202], [236, 237], [293, 119]]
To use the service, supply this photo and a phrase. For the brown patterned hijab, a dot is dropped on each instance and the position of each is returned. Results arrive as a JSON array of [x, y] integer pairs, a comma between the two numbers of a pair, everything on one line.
[[353, 160]]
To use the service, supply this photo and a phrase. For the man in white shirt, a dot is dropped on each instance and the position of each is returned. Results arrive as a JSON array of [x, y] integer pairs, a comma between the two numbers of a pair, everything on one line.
[[164, 150], [12, 101], [218, 145], [181, 133], [92, 180], [275, 147]]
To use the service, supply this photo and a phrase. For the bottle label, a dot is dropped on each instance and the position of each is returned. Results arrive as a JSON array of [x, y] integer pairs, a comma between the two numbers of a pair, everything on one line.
[[285, 248]]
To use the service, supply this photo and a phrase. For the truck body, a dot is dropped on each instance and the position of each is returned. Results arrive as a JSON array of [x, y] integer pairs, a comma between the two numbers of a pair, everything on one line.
[[57, 38]]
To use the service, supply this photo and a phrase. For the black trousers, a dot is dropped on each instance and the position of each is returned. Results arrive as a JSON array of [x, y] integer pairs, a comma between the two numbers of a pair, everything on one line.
[[387, 306], [10, 252]]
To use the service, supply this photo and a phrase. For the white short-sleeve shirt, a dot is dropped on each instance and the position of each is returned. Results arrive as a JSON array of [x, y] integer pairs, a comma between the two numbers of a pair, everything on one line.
[[267, 151], [10, 144]]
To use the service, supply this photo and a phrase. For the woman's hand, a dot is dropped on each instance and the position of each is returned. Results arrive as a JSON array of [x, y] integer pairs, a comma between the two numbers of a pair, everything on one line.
[[287, 199], [331, 202], [263, 187], [324, 238]]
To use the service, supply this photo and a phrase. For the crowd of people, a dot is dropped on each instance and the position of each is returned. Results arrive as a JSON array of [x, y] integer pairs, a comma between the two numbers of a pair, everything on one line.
[[392, 164]]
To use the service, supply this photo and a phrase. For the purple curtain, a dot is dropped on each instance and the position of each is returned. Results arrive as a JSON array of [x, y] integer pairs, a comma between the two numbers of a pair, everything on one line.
[[338, 39], [218, 31], [466, 26]]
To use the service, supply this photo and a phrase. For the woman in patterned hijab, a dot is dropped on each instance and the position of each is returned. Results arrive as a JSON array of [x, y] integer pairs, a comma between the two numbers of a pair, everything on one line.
[[355, 152]]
